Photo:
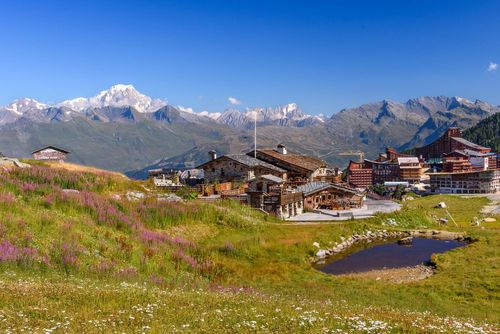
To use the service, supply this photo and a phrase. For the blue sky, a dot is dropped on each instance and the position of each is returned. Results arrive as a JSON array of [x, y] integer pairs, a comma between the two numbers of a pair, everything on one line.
[[323, 55]]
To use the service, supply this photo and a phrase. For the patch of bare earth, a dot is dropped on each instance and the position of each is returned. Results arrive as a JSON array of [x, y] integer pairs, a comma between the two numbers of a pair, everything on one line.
[[396, 275]]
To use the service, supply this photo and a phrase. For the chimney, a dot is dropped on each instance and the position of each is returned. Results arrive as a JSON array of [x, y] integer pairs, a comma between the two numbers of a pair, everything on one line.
[[212, 154], [282, 149]]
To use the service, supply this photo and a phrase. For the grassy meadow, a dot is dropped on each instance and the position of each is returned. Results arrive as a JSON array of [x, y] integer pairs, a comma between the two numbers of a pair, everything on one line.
[[77, 256]]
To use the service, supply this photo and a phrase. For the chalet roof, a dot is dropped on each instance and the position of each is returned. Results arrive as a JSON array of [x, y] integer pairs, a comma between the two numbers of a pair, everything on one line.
[[385, 162], [316, 186], [247, 161], [408, 160], [273, 178], [470, 144], [51, 147], [306, 162]]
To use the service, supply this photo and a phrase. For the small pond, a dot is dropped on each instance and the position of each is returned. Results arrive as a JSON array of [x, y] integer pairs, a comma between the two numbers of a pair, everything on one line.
[[389, 255]]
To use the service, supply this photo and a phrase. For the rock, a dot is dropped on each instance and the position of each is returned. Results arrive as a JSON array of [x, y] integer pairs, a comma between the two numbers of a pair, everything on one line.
[[489, 220], [135, 195], [70, 191], [316, 244], [441, 205], [12, 162], [321, 253], [406, 241], [169, 198]]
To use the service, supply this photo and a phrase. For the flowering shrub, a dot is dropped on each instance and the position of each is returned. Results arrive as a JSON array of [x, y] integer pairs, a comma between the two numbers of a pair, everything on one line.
[[7, 198], [10, 252]]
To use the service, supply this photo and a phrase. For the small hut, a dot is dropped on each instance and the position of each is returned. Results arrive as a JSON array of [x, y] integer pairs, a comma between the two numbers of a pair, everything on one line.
[[50, 153]]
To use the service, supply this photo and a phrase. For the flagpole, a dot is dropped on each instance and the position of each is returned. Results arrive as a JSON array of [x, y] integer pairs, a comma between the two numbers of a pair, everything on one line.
[[255, 136]]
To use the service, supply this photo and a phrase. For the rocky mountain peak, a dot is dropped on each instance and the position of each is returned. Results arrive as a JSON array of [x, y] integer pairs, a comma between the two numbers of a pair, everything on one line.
[[119, 95], [20, 106]]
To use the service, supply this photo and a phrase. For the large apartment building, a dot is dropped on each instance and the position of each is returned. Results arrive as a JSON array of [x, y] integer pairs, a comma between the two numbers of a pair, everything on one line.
[[450, 141], [466, 182]]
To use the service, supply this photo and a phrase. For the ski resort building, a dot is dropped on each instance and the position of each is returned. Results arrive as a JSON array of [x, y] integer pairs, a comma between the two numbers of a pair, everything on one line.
[[450, 141]]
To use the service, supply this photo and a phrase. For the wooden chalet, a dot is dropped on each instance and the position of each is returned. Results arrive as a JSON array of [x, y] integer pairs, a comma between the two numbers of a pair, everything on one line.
[[323, 195], [299, 168], [268, 193]]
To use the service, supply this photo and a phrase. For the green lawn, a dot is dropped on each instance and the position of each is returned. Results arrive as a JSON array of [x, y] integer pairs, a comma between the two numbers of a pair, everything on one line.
[[93, 261]]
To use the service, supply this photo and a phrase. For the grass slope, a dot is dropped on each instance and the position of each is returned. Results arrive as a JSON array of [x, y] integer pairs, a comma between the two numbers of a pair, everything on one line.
[[77, 256]]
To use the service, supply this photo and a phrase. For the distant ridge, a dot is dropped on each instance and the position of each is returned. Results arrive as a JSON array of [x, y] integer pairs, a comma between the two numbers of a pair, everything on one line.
[[122, 129]]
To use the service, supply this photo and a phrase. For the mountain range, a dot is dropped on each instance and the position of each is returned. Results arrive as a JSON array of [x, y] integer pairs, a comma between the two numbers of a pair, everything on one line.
[[125, 130]]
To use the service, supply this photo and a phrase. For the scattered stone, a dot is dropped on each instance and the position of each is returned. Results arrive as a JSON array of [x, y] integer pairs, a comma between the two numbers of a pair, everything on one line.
[[489, 220], [321, 253], [441, 205], [406, 241], [316, 244], [12, 162], [70, 191], [169, 197], [443, 220], [135, 195]]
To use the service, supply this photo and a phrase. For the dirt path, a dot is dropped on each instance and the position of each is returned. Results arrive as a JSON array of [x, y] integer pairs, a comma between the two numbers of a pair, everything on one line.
[[492, 208]]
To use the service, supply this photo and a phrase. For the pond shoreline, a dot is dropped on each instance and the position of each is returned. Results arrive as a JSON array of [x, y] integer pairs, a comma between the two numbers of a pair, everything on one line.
[[396, 275], [368, 237]]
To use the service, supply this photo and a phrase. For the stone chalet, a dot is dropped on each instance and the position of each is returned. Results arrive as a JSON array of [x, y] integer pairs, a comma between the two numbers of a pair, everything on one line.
[[50, 153], [237, 168], [268, 193], [299, 168], [323, 195]]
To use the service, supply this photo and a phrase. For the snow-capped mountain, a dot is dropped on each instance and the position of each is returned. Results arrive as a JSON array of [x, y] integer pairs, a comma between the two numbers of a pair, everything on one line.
[[287, 115], [122, 101], [116, 96], [20, 106]]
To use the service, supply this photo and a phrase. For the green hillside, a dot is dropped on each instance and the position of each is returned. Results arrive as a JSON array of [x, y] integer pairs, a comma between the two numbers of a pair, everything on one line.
[[486, 132], [76, 255]]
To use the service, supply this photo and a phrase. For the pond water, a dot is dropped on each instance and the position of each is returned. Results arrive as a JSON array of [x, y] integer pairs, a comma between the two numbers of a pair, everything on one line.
[[389, 255]]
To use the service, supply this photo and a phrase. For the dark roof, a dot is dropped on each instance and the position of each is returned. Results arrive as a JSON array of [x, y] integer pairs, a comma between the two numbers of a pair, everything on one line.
[[385, 162], [314, 187], [51, 147], [247, 161], [303, 161], [470, 144]]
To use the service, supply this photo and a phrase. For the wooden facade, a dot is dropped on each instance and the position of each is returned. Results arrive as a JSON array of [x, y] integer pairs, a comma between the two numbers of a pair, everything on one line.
[[320, 195], [267, 193]]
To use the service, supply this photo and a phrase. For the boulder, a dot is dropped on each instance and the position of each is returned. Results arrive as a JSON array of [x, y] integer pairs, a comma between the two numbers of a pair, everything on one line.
[[405, 241]]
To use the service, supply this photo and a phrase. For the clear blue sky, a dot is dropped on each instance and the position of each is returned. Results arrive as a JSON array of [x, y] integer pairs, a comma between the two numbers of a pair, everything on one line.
[[323, 55]]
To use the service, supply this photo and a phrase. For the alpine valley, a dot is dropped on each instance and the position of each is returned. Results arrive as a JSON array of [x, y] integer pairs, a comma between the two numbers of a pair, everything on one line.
[[123, 130]]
